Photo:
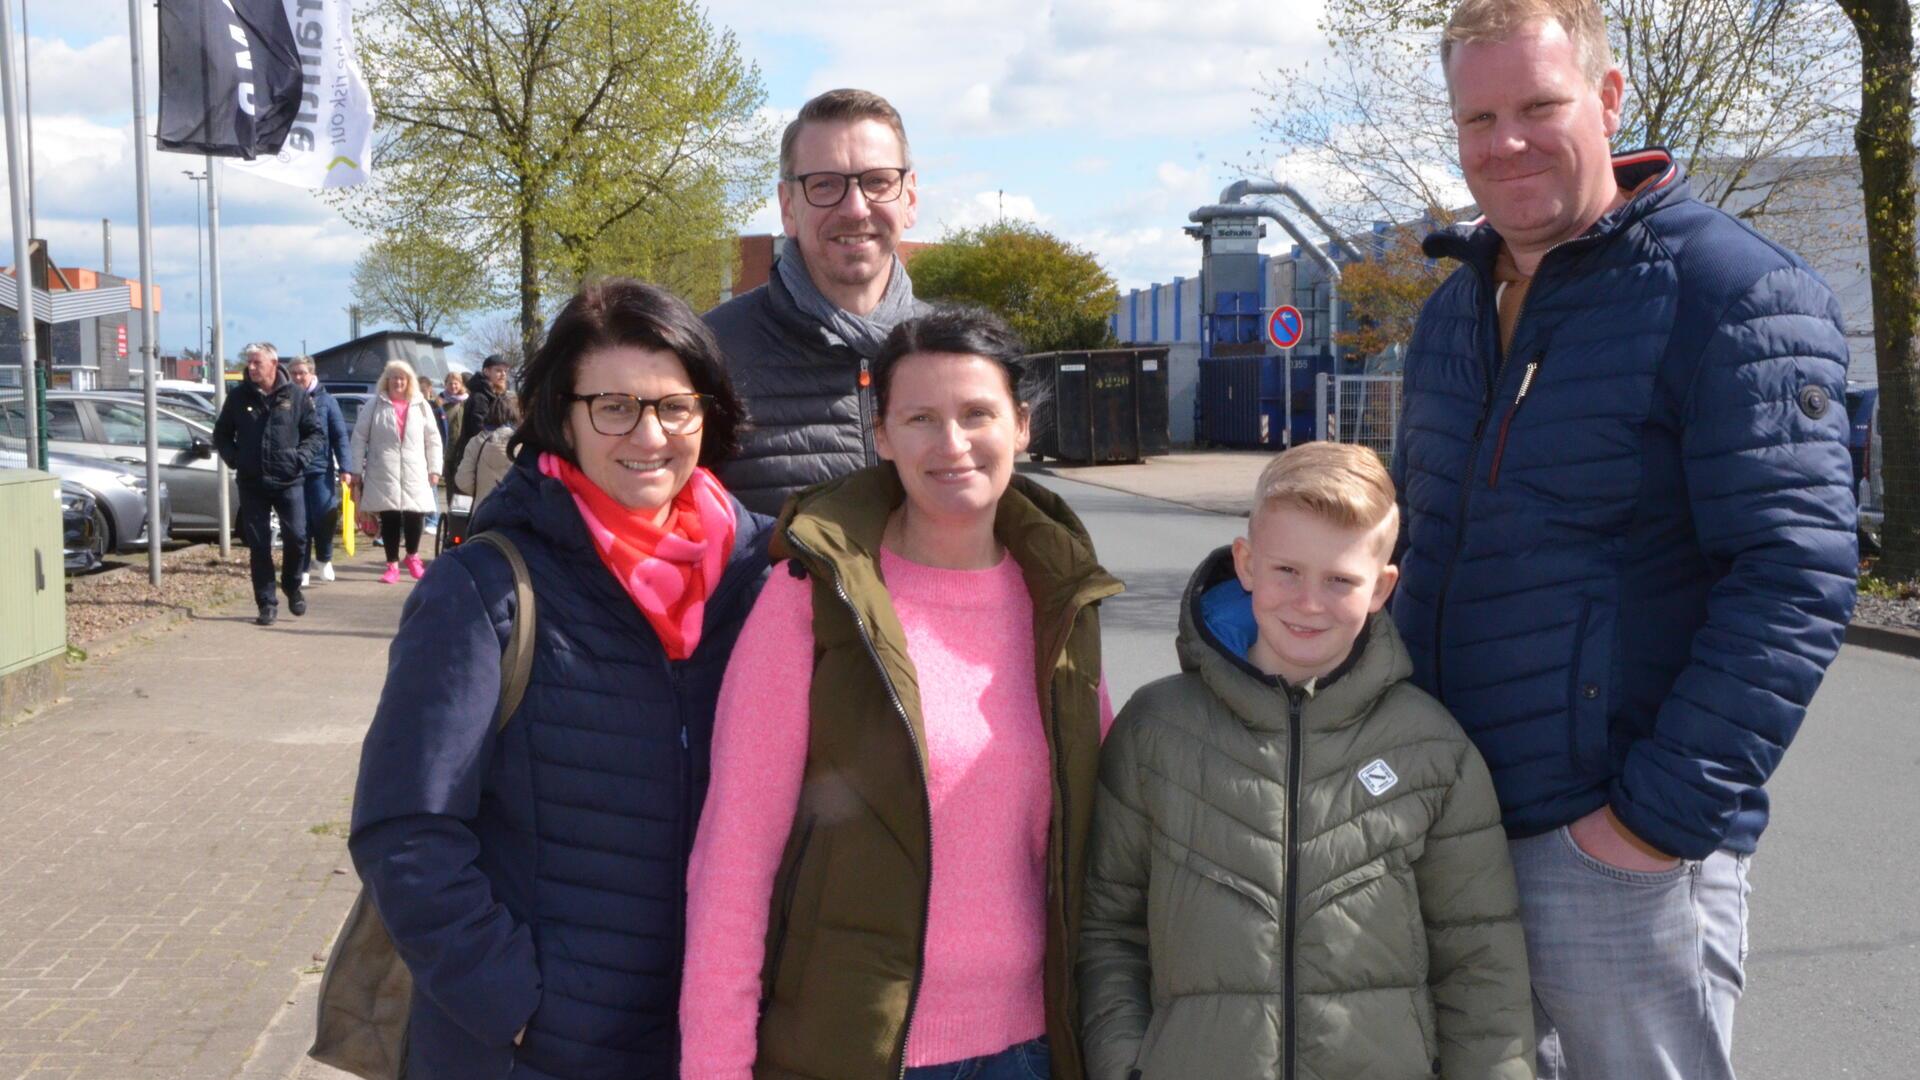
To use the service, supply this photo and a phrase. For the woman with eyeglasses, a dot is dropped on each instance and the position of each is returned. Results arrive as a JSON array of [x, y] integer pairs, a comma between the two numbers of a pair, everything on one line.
[[532, 875], [396, 440], [888, 873]]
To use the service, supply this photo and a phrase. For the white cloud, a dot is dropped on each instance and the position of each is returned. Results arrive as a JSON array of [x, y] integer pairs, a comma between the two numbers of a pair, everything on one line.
[[1109, 67], [951, 214], [93, 79]]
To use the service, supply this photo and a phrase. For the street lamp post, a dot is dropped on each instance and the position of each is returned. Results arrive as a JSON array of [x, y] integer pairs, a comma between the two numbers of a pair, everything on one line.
[[199, 257]]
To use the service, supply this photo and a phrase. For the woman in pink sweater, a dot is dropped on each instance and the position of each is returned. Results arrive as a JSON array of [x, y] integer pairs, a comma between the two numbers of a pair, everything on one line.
[[886, 880]]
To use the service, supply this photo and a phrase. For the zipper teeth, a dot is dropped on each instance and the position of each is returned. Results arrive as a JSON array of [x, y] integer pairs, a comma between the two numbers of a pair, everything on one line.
[[1296, 747], [1526, 381], [926, 899]]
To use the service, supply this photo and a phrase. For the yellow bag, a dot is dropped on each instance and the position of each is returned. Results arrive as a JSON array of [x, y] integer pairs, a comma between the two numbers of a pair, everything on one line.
[[347, 528]]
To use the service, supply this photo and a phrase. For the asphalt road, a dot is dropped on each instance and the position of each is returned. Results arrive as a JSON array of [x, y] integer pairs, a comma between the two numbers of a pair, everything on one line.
[[1834, 971]]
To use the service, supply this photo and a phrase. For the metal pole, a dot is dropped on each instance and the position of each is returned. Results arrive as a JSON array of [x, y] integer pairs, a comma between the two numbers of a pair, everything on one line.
[[26, 81], [106, 245], [199, 263], [216, 360], [149, 323], [22, 278]]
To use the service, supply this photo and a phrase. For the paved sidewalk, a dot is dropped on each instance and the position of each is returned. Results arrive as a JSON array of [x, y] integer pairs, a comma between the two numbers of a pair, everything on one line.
[[1220, 481], [172, 842]]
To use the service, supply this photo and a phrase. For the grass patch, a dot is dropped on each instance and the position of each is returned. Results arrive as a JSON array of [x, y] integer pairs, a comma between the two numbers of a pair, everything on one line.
[[330, 828], [1879, 587]]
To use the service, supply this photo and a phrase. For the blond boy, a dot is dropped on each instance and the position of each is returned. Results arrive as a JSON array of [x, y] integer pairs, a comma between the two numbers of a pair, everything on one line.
[[1297, 866]]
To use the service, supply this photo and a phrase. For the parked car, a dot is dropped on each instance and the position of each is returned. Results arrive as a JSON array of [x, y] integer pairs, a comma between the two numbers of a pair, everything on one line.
[[351, 402], [85, 546], [119, 493], [1863, 443], [106, 425]]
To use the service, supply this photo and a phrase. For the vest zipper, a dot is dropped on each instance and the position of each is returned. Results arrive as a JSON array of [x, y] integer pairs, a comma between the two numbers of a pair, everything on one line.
[[1500, 444], [919, 756], [1296, 703], [863, 390]]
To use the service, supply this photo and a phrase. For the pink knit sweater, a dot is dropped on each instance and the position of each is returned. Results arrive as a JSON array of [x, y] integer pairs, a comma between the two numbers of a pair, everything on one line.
[[970, 636]]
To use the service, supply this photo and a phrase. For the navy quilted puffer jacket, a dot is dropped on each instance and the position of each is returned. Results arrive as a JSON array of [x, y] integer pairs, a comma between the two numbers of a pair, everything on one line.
[[537, 878], [1629, 545]]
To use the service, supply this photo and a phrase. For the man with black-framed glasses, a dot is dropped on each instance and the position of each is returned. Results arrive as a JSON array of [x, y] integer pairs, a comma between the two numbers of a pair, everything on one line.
[[798, 347]]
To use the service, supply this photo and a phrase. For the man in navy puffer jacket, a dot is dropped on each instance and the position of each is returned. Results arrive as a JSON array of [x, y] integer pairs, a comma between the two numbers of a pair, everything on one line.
[[1629, 553]]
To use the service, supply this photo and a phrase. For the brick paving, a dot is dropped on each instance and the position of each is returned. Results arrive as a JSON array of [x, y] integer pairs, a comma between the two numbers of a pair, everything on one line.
[[172, 839]]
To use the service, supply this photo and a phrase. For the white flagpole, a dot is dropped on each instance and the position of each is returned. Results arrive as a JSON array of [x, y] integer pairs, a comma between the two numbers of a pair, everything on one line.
[[149, 323], [217, 360], [22, 275]]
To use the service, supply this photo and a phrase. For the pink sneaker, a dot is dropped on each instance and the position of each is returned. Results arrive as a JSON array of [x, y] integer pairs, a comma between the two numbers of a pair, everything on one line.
[[392, 575], [415, 567]]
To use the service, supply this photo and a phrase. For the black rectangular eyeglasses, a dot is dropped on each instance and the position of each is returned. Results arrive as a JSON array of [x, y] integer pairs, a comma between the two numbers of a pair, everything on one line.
[[826, 189], [619, 414]]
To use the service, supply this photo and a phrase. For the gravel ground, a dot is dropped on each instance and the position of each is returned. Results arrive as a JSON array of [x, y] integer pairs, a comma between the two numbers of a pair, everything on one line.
[[1902, 613], [191, 579]]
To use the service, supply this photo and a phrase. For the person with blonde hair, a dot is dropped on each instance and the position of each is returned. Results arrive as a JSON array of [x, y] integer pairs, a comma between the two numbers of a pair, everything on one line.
[[1630, 548], [397, 443], [1296, 864]]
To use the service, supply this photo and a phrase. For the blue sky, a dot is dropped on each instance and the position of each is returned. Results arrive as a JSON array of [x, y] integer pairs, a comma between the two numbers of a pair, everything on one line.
[[1105, 121]]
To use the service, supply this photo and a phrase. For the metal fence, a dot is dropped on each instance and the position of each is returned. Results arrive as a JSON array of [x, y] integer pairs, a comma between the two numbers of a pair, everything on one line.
[[1363, 409]]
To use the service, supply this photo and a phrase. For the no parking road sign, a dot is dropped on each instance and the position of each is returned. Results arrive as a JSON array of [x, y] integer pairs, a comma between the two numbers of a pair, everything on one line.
[[1286, 327]]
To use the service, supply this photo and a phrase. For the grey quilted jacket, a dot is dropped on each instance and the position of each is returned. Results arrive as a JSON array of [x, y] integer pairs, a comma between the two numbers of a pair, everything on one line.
[[809, 405], [1292, 884]]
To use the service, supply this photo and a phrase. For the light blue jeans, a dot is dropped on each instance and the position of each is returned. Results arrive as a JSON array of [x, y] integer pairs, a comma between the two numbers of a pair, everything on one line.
[[1635, 975], [1024, 1061]]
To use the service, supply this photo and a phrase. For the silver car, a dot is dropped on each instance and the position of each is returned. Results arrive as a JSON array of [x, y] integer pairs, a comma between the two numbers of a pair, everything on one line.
[[108, 426], [119, 493]]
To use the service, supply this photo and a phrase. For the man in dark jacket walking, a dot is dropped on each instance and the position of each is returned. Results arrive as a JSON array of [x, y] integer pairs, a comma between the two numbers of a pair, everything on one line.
[[267, 434], [320, 485], [798, 347], [1629, 553], [481, 393]]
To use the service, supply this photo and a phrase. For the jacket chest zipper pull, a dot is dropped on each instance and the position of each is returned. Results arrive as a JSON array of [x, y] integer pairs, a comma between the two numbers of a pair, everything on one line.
[[866, 376], [1500, 446]]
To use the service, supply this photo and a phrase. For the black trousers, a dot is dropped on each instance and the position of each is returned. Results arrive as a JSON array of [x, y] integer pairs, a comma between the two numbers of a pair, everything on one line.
[[257, 503], [391, 524]]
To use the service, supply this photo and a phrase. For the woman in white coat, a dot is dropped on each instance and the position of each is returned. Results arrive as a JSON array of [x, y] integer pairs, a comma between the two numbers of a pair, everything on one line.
[[397, 443]]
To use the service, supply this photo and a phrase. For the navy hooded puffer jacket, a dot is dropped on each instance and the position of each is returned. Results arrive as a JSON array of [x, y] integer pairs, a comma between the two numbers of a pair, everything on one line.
[[537, 878], [1629, 546]]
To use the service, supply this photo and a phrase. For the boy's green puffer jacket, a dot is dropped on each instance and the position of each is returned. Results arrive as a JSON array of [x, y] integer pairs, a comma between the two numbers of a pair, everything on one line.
[[1272, 869]]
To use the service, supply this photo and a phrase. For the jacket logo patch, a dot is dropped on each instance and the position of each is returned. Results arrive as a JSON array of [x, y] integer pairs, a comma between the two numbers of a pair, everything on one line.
[[1377, 776]]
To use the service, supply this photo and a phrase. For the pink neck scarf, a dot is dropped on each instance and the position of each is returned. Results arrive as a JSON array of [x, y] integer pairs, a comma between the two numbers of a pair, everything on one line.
[[668, 570]]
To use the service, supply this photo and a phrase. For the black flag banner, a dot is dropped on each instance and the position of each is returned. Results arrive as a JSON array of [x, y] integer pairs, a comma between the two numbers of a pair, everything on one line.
[[229, 77]]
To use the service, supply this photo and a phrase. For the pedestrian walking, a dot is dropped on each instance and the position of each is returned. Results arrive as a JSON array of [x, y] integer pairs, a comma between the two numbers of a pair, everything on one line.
[[267, 433], [332, 467], [453, 399], [1630, 541], [802, 346], [491, 383], [1342, 907], [431, 523], [553, 953], [397, 444], [887, 877], [488, 458]]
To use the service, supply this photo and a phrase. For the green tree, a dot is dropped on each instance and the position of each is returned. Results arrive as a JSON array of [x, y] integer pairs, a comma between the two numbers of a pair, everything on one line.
[[1884, 137], [1053, 294], [553, 137], [418, 282]]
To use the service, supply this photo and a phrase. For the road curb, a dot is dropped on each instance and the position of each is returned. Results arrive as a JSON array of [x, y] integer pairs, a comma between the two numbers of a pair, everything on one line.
[[1889, 639]]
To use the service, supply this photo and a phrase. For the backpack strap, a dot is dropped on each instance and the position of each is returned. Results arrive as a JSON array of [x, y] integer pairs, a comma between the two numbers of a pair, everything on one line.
[[516, 662]]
